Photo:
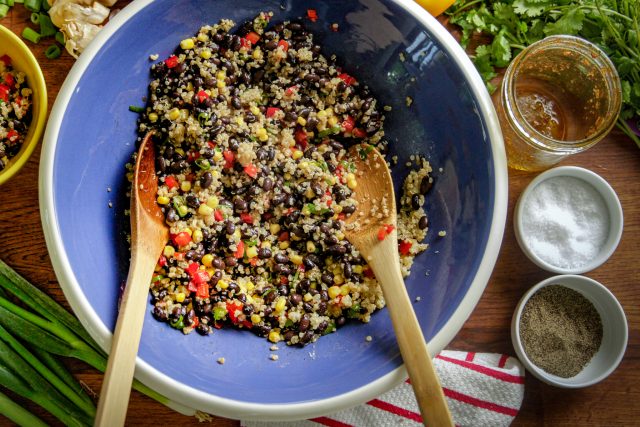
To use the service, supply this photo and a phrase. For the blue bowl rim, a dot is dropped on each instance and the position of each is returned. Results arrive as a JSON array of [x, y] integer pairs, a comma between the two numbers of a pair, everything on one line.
[[183, 397]]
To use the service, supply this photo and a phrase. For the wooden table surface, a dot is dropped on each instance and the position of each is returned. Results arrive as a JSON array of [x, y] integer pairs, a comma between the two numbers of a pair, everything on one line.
[[614, 401]]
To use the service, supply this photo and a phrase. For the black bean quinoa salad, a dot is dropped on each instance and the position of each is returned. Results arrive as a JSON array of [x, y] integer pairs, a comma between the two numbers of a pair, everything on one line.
[[15, 110], [255, 184]]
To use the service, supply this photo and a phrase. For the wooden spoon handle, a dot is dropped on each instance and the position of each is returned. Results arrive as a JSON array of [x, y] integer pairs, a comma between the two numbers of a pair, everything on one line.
[[116, 386], [427, 388]]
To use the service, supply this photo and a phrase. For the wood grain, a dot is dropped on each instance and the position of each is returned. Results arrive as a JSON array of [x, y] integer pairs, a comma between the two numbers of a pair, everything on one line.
[[612, 402]]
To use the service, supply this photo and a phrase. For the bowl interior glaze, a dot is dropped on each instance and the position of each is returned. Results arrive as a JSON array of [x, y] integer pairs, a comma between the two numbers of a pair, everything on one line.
[[92, 137]]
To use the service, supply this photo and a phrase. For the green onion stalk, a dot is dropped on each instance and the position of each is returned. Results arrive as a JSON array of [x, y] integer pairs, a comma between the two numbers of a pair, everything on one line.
[[32, 336]]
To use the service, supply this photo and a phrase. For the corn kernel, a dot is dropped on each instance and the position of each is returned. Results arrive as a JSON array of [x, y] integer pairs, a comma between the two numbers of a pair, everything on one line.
[[180, 296], [257, 54], [190, 86], [283, 245], [321, 114], [307, 297], [255, 319], [255, 110], [296, 259], [250, 286], [210, 270], [262, 134], [174, 114], [153, 117], [333, 120], [205, 210], [185, 186], [344, 289], [274, 336], [215, 173], [213, 202], [337, 208], [302, 121], [352, 183], [205, 54], [168, 251], [311, 247], [220, 75], [266, 244], [274, 228], [309, 194], [188, 231], [281, 303], [251, 252], [197, 236], [287, 176], [220, 84], [236, 234], [297, 154], [163, 200], [187, 44], [357, 269], [207, 260], [333, 291], [203, 37], [223, 284], [217, 155]]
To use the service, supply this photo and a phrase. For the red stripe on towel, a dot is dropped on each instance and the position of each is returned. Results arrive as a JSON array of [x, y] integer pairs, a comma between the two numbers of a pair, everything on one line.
[[502, 361], [470, 356], [484, 370], [480, 403], [395, 410], [330, 422]]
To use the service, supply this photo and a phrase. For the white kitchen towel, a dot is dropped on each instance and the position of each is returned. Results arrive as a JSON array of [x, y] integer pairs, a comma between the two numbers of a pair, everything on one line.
[[482, 389]]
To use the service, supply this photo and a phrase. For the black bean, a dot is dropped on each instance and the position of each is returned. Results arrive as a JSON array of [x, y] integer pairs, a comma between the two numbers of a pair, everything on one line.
[[242, 298], [311, 124], [311, 77], [172, 215], [340, 321], [425, 185], [327, 278], [304, 285], [309, 264], [250, 118], [192, 201], [233, 288], [239, 205], [288, 335], [229, 227], [264, 253], [321, 70], [415, 201], [279, 199], [295, 26], [306, 337], [159, 314], [322, 326], [191, 255], [203, 329], [331, 240], [290, 116], [230, 261], [295, 299], [304, 112], [423, 222], [248, 309], [206, 180], [262, 330], [283, 290], [347, 210], [270, 297], [271, 45], [322, 307], [307, 307], [347, 270], [281, 258], [304, 323], [217, 263], [258, 76], [235, 103], [161, 162]]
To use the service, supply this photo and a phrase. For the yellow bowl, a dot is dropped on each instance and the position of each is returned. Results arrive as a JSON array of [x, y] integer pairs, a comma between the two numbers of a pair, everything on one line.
[[23, 60]]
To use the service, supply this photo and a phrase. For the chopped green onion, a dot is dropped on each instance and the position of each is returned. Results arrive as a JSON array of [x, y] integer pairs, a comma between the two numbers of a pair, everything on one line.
[[219, 313], [33, 5], [53, 52], [203, 164], [136, 109], [4, 9], [60, 37], [331, 131], [35, 17], [18, 1], [202, 118], [29, 34], [178, 324], [45, 5], [47, 29], [7, 2]]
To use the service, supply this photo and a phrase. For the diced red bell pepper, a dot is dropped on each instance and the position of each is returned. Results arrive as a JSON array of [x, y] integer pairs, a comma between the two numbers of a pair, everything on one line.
[[171, 61], [181, 239], [271, 111], [6, 59], [196, 320], [341, 216], [384, 231], [253, 37], [229, 158], [312, 14], [202, 96], [203, 291], [349, 80], [4, 93], [245, 43], [348, 124], [192, 268], [251, 170], [178, 256], [239, 253], [211, 144], [368, 272], [162, 262], [246, 218], [192, 157], [8, 79], [404, 247], [200, 277], [284, 280], [283, 236], [284, 45], [171, 181], [232, 307], [191, 286], [12, 136], [291, 90], [359, 133], [301, 138], [217, 215]]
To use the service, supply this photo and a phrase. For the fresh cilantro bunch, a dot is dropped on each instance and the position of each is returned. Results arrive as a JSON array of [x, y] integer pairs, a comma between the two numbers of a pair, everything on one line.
[[613, 25]]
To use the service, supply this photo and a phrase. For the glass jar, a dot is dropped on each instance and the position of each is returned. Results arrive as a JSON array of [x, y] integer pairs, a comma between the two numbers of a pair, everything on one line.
[[559, 96]]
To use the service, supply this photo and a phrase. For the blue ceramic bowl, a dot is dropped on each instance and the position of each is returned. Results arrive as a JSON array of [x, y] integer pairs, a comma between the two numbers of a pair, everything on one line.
[[91, 135]]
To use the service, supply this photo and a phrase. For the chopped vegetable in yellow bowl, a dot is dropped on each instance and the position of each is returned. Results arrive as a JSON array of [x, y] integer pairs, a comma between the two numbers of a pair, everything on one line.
[[22, 60]]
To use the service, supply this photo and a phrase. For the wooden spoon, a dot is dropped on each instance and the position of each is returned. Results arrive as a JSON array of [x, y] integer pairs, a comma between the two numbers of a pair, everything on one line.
[[375, 189], [149, 235]]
